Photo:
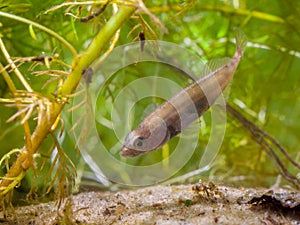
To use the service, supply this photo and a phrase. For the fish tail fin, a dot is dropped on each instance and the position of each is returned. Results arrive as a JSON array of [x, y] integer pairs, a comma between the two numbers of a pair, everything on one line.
[[241, 42]]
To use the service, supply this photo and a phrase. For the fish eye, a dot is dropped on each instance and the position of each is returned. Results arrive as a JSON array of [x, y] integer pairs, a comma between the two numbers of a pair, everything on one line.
[[138, 142]]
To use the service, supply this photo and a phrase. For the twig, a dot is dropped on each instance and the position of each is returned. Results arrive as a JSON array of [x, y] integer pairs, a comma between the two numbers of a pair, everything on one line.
[[95, 14], [154, 19], [262, 138]]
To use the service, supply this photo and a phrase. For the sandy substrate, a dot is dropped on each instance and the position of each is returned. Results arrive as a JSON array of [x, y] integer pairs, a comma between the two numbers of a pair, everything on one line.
[[203, 203]]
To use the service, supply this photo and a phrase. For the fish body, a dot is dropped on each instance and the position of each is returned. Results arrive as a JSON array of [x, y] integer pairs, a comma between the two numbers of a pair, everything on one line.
[[174, 115]]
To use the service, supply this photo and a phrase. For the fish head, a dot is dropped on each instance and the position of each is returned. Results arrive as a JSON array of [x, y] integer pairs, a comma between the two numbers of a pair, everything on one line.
[[150, 135]]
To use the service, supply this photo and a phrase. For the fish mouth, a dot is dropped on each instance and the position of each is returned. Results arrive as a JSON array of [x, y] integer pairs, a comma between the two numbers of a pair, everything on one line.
[[129, 152]]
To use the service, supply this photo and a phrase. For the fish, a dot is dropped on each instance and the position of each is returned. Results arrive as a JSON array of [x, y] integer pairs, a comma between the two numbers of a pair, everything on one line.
[[177, 113]]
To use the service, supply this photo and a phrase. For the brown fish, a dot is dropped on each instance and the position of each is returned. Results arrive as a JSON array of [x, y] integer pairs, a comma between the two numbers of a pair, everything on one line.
[[174, 115]]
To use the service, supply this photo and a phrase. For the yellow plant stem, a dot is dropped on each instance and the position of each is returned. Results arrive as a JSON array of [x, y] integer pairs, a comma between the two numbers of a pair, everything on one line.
[[13, 89], [223, 8], [14, 67], [7, 79], [43, 128]]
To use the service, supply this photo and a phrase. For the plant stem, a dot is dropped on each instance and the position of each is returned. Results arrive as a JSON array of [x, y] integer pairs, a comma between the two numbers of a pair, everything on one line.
[[7, 79], [14, 67], [27, 132], [92, 52], [96, 46], [225, 9], [43, 28]]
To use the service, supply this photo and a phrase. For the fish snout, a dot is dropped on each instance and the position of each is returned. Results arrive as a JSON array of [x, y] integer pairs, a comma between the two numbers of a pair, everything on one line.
[[128, 152]]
